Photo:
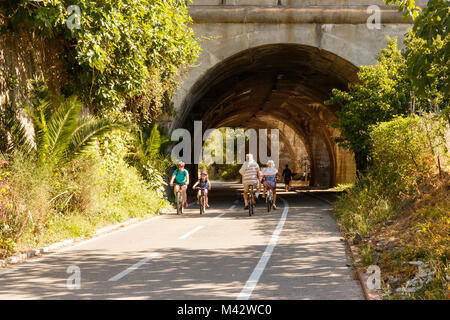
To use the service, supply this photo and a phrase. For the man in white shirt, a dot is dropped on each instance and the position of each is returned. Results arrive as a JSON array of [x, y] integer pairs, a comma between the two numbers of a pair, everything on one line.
[[250, 175]]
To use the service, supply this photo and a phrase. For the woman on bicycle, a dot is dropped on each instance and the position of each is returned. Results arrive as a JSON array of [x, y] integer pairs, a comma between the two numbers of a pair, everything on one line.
[[269, 176], [203, 184], [181, 177]]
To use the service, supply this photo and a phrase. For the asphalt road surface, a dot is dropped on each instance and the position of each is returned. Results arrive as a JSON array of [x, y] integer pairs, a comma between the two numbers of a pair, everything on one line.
[[294, 252]]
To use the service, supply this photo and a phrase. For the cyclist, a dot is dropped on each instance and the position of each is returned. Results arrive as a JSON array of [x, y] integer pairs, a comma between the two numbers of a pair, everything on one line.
[[287, 174], [181, 177], [250, 175], [203, 184], [269, 176]]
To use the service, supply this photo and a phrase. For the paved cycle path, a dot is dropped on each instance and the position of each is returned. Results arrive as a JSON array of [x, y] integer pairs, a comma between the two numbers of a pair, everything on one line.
[[294, 252]]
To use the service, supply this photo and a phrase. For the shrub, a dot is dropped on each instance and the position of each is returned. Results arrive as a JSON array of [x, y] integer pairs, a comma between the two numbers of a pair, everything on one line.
[[6, 243], [127, 194], [405, 153], [44, 204], [407, 150], [363, 208], [29, 196]]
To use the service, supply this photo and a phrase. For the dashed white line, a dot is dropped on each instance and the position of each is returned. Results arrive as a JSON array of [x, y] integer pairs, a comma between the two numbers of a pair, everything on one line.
[[133, 267], [220, 215], [190, 233], [81, 243], [230, 208], [234, 205], [259, 269]]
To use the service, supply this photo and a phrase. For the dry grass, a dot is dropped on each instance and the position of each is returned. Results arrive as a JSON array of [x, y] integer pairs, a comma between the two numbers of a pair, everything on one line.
[[420, 231]]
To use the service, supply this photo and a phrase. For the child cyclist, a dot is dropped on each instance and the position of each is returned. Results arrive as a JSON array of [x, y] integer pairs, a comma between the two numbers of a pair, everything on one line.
[[203, 184], [269, 176]]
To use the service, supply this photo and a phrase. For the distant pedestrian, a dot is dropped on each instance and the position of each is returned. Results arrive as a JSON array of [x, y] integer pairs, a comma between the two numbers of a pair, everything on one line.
[[287, 174]]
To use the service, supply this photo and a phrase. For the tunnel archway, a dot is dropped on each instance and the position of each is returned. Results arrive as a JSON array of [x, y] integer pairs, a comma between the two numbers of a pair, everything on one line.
[[280, 86]]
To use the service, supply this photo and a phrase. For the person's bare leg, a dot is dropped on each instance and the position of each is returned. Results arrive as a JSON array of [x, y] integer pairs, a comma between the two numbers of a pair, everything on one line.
[[184, 194]]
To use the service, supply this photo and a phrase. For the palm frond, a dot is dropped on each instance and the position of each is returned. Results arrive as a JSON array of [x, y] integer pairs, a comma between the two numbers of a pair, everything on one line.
[[19, 139], [61, 126], [15, 135], [88, 131], [153, 142], [39, 122]]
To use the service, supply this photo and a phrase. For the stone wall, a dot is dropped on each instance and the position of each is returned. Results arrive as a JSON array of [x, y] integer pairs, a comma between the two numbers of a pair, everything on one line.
[[24, 56]]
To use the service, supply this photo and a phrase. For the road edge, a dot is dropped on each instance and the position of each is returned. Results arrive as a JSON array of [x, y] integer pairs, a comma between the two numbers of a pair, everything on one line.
[[22, 257], [369, 294]]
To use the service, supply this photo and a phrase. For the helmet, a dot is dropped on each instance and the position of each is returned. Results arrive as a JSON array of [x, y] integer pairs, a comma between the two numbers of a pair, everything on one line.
[[181, 164], [203, 173]]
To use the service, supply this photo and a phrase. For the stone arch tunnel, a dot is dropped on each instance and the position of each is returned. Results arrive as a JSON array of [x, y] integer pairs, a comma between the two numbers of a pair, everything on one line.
[[278, 86]]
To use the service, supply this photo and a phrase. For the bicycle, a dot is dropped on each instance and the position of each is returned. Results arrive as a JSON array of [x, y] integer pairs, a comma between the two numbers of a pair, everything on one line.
[[179, 199], [202, 200], [251, 200], [269, 199]]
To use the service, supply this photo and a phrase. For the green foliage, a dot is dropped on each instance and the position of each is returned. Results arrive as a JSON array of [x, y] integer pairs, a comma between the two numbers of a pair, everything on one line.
[[127, 195], [30, 192], [364, 207], [147, 155], [91, 191], [428, 62], [125, 51], [383, 92], [404, 153], [408, 7], [60, 134], [229, 172], [6, 242], [405, 150]]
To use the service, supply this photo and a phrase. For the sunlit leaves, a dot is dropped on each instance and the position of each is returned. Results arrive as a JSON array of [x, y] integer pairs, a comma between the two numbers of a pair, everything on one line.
[[120, 43], [429, 62], [383, 91]]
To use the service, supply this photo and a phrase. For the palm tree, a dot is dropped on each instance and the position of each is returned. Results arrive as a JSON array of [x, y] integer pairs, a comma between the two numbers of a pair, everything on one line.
[[149, 144], [60, 133]]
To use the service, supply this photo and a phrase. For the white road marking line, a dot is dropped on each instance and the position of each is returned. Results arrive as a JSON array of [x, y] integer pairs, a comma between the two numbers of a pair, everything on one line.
[[220, 215], [259, 269], [230, 208], [236, 202], [133, 267], [190, 232]]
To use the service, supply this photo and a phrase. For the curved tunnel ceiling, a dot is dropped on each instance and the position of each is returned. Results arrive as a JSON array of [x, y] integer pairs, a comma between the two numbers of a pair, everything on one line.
[[295, 78], [272, 84]]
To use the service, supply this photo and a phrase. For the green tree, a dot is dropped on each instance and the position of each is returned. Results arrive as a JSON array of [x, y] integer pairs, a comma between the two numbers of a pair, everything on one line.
[[428, 62], [125, 53], [60, 134], [382, 92]]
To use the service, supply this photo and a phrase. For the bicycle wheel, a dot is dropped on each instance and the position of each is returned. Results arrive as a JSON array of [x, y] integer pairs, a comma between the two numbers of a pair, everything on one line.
[[202, 207], [268, 201], [204, 204], [179, 203]]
